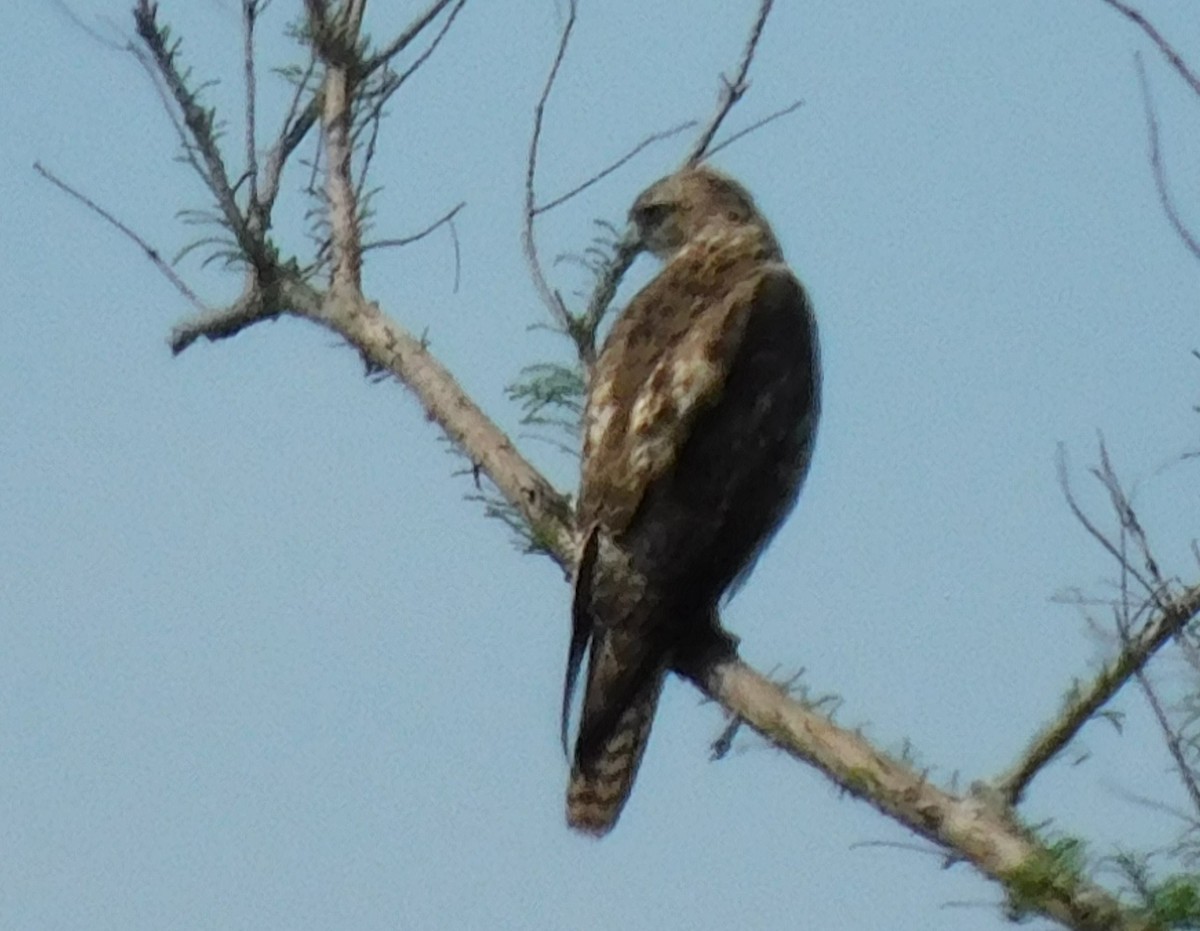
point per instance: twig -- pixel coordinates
(334, 45)
(200, 126)
(1092, 529)
(605, 172)
(552, 300)
(732, 91)
(389, 84)
(1129, 520)
(156, 81)
(406, 240)
(151, 253)
(627, 247)
(250, 10)
(424, 56)
(402, 41)
(1173, 740)
(295, 127)
(759, 124)
(1156, 164)
(388, 346)
(1175, 615)
(720, 747)
(251, 308)
(1160, 42)
(970, 827)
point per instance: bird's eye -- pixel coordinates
(650, 215)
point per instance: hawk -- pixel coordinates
(698, 430)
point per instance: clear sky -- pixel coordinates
(265, 667)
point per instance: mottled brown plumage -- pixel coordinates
(700, 420)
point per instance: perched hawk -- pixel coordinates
(699, 426)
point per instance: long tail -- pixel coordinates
(609, 749)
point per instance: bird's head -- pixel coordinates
(681, 207)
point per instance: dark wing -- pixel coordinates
(664, 360)
(691, 462)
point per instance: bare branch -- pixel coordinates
(758, 124)
(250, 10)
(444, 220)
(387, 346)
(185, 142)
(414, 29)
(1167, 622)
(334, 44)
(1156, 165)
(1093, 530)
(552, 301)
(151, 253)
(1130, 524)
(1168, 51)
(200, 127)
(605, 172)
(1173, 739)
(973, 827)
(249, 309)
(627, 248)
(295, 127)
(424, 56)
(732, 90)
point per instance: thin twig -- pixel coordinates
(185, 142)
(93, 33)
(1177, 613)
(1129, 520)
(731, 90)
(402, 41)
(759, 124)
(295, 127)
(605, 172)
(1173, 740)
(552, 301)
(200, 127)
(389, 84)
(627, 248)
(1091, 528)
(424, 56)
(1160, 42)
(406, 240)
(1156, 164)
(151, 253)
(250, 9)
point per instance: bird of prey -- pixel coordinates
(698, 430)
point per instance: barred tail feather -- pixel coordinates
(599, 788)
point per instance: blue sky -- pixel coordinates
(265, 667)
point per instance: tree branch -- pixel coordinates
(627, 247)
(199, 123)
(1156, 165)
(334, 43)
(1168, 51)
(605, 172)
(552, 300)
(1167, 623)
(732, 91)
(445, 219)
(388, 346)
(414, 29)
(973, 827)
(150, 252)
(756, 125)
